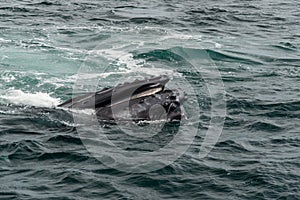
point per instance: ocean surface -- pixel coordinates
(46, 47)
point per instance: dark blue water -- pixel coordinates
(254, 45)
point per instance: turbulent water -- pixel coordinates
(254, 45)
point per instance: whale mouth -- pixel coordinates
(149, 91)
(140, 96)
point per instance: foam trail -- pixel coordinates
(37, 99)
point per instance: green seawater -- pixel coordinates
(46, 47)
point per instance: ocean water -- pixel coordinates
(46, 48)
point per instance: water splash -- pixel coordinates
(38, 99)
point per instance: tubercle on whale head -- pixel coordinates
(174, 105)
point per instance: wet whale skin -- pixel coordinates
(139, 100)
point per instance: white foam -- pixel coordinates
(8, 77)
(2, 40)
(127, 64)
(181, 36)
(38, 99)
(60, 81)
(217, 45)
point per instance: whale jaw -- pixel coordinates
(139, 100)
(164, 105)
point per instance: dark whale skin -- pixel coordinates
(114, 104)
(165, 105)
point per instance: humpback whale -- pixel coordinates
(146, 99)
